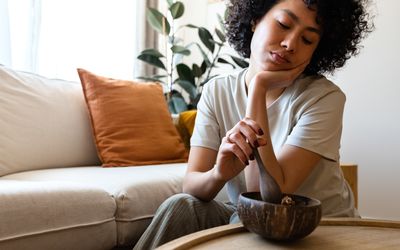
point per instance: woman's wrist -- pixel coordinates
(258, 83)
(217, 177)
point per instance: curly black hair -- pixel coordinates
(344, 23)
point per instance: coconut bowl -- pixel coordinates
(276, 221)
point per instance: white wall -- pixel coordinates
(371, 136)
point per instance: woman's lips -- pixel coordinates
(278, 59)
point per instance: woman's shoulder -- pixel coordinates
(317, 87)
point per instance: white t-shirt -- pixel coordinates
(308, 114)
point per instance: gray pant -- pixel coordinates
(183, 214)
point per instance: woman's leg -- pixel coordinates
(180, 215)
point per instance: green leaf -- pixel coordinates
(160, 76)
(177, 103)
(171, 107)
(206, 38)
(152, 52)
(185, 73)
(188, 87)
(170, 2)
(177, 9)
(222, 60)
(193, 104)
(220, 35)
(203, 66)
(152, 60)
(191, 26)
(197, 71)
(180, 50)
(158, 21)
(203, 53)
(222, 22)
(240, 62)
(174, 39)
(218, 43)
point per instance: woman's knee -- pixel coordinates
(180, 200)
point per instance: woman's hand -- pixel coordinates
(237, 148)
(277, 79)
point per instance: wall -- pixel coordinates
(371, 136)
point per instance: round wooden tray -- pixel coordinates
(335, 233)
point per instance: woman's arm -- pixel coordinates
(201, 179)
(209, 170)
(291, 166)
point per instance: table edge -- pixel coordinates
(191, 240)
(188, 241)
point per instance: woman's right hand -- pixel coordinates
(279, 78)
(236, 148)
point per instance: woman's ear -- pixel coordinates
(253, 25)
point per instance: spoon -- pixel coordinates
(269, 189)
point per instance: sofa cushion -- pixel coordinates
(138, 191)
(131, 122)
(55, 214)
(44, 123)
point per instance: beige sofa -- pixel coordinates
(53, 192)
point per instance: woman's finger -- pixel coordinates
(238, 152)
(241, 141)
(235, 149)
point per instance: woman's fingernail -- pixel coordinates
(260, 132)
(251, 157)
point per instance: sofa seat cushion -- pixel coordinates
(138, 190)
(56, 211)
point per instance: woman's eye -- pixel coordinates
(306, 41)
(284, 26)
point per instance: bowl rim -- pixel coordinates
(314, 202)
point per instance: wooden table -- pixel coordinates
(335, 233)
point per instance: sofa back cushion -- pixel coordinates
(44, 123)
(131, 122)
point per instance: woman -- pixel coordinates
(281, 105)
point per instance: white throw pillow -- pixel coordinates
(44, 123)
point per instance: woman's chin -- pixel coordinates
(272, 67)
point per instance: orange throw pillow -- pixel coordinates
(131, 122)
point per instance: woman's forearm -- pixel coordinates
(203, 185)
(257, 110)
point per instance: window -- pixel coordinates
(53, 38)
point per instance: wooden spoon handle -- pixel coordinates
(269, 188)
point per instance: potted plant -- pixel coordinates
(180, 78)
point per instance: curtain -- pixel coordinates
(148, 38)
(20, 21)
(5, 53)
(53, 38)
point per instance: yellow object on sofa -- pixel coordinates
(186, 125)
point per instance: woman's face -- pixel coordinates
(285, 37)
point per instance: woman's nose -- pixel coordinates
(290, 43)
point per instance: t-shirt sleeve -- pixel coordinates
(319, 126)
(206, 129)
